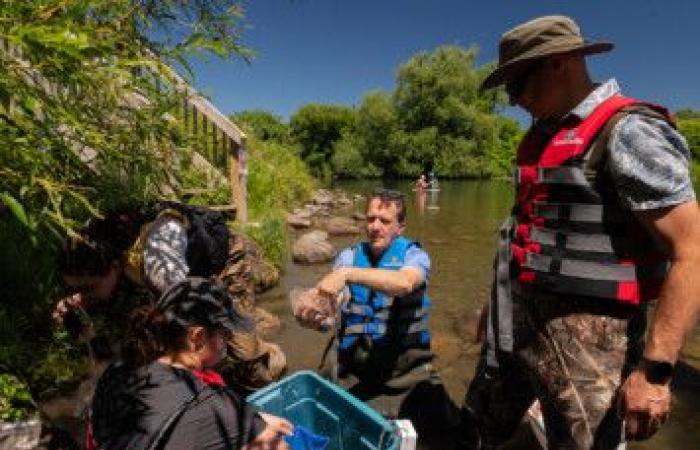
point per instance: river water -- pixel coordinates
(458, 226)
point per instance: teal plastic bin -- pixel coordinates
(306, 399)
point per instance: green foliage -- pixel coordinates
(83, 81)
(316, 128)
(440, 89)
(436, 119)
(277, 178)
(690, 129)
(502, 155)
(263, 125)
(349, 159)
(15, 399)
(688, 113)
(689, 126)
(86, 125)
(190, 177)
(270, 233)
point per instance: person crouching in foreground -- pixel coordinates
(163, 393)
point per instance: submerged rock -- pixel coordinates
(298, 220)
(323, 197)
(338, 226)
(312, 248)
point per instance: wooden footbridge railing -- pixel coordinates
(217, 143)
(217, 139)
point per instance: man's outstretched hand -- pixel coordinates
(313, 309)
(333, 283)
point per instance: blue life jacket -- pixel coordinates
(401, 321)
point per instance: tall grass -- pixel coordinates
(278, 181)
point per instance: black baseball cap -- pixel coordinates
(204, 302)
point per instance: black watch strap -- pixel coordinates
(656, 372)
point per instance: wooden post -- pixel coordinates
(194, 131)
(186, 114)
(215, 146)
(243, 181)
(234, 181)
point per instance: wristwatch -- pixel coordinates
(656, 372)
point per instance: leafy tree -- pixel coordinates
(316, 128)
(349, 158)
(415, 151)
(502, 155)
(376, 125)
(435, 89)
(436, 118)
(437, 96)
(263, 124)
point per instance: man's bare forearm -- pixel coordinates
(676, 312)
(678, 230)
(391, 282)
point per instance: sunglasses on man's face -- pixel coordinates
(516, 87)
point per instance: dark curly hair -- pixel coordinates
(150, 335)
(99, 244)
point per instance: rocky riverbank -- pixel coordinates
(328, 214)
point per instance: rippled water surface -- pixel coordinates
(457, 226)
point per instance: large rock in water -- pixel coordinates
(323, 197)
(312, 248)
(338, 226)
(299, 220)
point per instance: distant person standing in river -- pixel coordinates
(422, 184)
(605, 221)
(382, 347)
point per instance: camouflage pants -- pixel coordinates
(251, 362)
(572, 355)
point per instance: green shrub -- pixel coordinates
(270, 233)
(277, 178)
(15, 399)
(105, 103)
(264, 125)
(348, 160)
(193, 178)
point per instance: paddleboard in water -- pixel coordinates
(427, 190)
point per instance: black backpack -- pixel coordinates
(207, 237)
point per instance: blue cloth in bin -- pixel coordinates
(305, 439)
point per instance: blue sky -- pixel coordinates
(335, 51)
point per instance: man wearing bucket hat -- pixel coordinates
(605, 220)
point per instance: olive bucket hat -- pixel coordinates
(537, 39)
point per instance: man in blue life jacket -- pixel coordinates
(605, 221)
(382, 346)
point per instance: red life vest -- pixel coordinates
(572, 236)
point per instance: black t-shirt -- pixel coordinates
(131, 407)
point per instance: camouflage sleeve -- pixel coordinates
(164, 254)
(649, 163)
